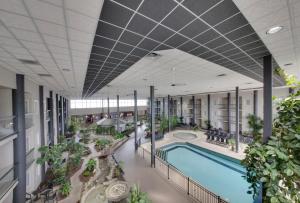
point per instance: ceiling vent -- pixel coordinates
(44, 75)
(29, 62)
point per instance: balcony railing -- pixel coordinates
(6, 127)
(7, 181)
(191, 187)
(28, 120)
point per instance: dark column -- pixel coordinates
(108, 112)
(169, 120)
(163, 105)
(51, 130)
(237, 119)
(118, 114)
(268, 73)
(181, 113)
(62, 115)
(152, 126)
(194, 110)
(135, 119)
(57, 116)
(228, 112)
(42, 124)
(208, 109)
(20, 143)
(255, 102)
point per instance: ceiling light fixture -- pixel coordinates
(153, 55)
(288, 64)
(274, 30)
(221, 75)
(30, 62)
(66, 69)
(44, 75)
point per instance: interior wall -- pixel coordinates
(87, 111)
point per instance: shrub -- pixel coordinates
(119, 135)
(137, 196)
(86, 173)
(90, 165)
(276, 164)
(102, 143)
(65, 188)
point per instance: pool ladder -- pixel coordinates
(162, 154)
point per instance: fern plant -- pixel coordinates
(137, 196)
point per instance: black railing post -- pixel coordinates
(188, 186)
(168, 171)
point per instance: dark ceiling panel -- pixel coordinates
(214, 30)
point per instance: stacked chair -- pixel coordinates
(218, 136)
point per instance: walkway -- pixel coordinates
(137, 171)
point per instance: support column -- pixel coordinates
(42, 124)
(118, 114)
(208, 109)
(135, 120)
(268, 74)
(152, 127)
(194, 110)
(62, 115)
(20, 142)
(181, 113)
(169, 121)
(228, 112)
(51, 130)
(255, 102)
(108, 112)
(163, 105)
(237, 119)
(57, 116)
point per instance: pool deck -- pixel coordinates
(138, 171)
(200, 141)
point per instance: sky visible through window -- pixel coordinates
(82, 104)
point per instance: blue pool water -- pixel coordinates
(218, 173)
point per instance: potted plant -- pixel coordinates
(89, 170)
(101, 144)
(137, 196)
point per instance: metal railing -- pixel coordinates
(7, 181)
(191, 187)
(7, 126)
(30, 158)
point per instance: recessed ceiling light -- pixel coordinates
(221, 75)
(30, 62)
(274, 30)
(248, 83)
(288, 64)
(44, 75)
(66, 69)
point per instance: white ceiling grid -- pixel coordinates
(58, 34)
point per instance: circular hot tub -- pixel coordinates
(185, 135)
